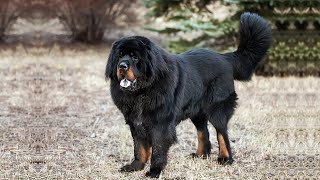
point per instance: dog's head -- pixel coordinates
(135, 62)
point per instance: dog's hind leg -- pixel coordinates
(225, 155)
(220, 114)
(204, 145)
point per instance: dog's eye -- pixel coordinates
(134, 58)
(120, 54)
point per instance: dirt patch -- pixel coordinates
(58, 121)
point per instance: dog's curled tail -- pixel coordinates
(255, 40)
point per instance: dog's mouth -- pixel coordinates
(127, 78)
(125, 83)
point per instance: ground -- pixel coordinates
(57, 121)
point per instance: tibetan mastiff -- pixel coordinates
(155, 90)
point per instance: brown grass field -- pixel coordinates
(57, 121)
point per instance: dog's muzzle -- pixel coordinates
(126, 75)
(123, 67)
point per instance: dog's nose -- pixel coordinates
(123, 66)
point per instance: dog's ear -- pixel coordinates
(143, 40)
(110, 68)
(149, 65)
(156, 65)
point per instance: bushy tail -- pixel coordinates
(255, 40)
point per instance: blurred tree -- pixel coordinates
(9, 12)
(193, 17)
(88, 20)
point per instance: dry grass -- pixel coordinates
(57, 121)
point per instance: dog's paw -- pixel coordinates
(154, 173)
(203, 156)
(134, 166)
(225, 160)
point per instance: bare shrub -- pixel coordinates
(88, 20)
(9, 12)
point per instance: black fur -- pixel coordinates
(197, 84)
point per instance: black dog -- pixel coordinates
(155, 90)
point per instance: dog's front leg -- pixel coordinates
(163, 136)
(142, 148)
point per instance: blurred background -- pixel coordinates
(57, 119)
(179, 25)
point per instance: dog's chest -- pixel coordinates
(141, 123)
(140, 110)
(134, 109)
